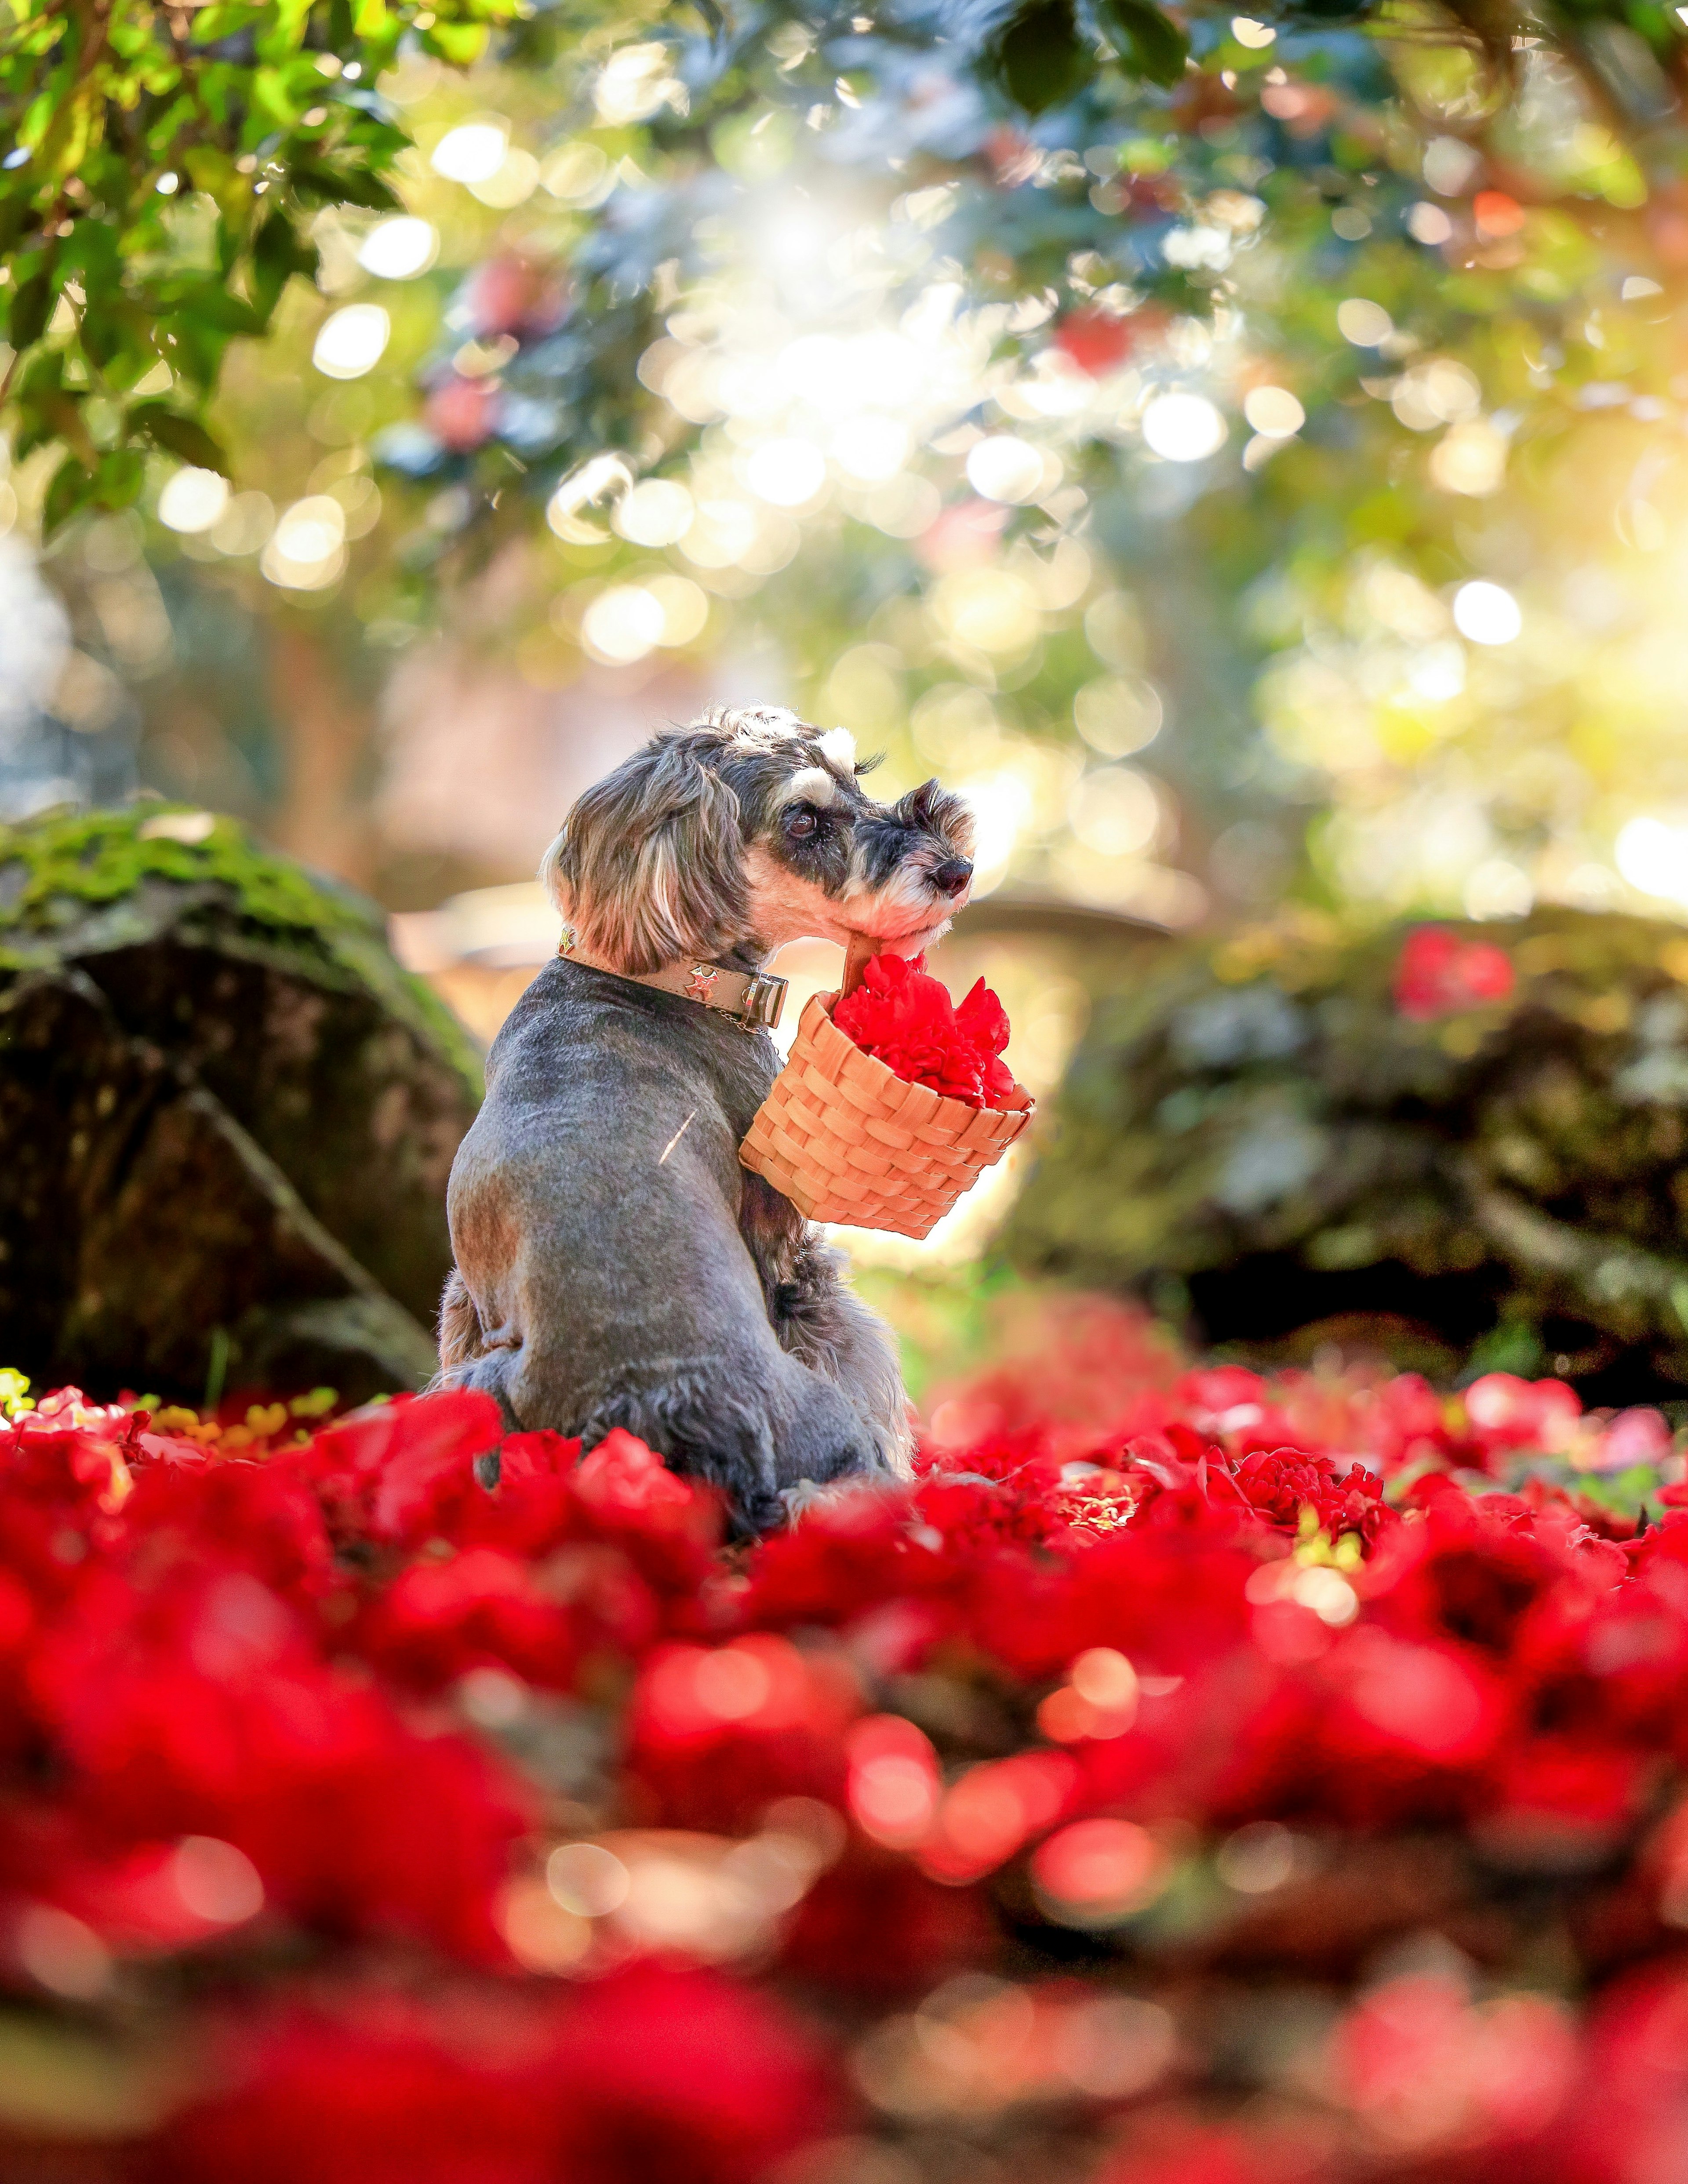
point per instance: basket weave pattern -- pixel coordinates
(847, 1140)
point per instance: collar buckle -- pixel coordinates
(763, 1001)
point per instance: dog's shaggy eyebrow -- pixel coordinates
(813, 785)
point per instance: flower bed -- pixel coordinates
(1151, 1792)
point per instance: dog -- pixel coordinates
(614, 1264)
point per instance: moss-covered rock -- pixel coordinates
(229, 1114)
(1297, 1127)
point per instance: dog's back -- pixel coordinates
(615, 1266)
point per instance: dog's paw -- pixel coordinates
(809, 1494)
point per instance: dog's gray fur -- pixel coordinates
(615, 1266)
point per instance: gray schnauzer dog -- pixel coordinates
(615, 1266)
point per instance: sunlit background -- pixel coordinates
(1362, 584)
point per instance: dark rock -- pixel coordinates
(230, 1118)
(1260, 1134)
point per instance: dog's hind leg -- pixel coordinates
(461, 1337)
(467, 1360)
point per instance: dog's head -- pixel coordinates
(746, 830)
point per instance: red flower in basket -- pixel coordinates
(904, 1017)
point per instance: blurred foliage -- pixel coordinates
(905, 359)
(1474, 1132)
(162, 168)
(947, 1318)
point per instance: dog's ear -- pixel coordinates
(939, 810)
(649, 863)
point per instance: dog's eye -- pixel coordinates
(801, 825)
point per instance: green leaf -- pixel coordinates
(177, 435)
(209, 169)
(32, 308)
(460, 44)
(212, 24)
(101, 333)
(15, 212)
(1038, 58)
(315, 179)
(278, 251)
(1148, 42)
(72, 489)
(212, 309)
(118, 478)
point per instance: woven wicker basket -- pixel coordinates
(847, 1140)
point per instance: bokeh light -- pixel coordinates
(893, 1782)
(192, 500)
(351, 341)
(306, 549)
(633, 83)
(472, 151)
(1470, 458)
(1001, 467)
(786, 472)
(1652, 856)
(1364, 323)
(657, 512)
(1486, 613)
(1184, 428)
(1118, 714)
(216, 1882)
(399, 249)
(587, 1879)
(1115, 810)
(622, 624)
(1096, 1873)
(1273, 411)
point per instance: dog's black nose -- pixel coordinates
(952, 875)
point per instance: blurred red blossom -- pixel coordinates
(1437, 973)
(523, 1831)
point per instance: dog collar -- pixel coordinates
(752, 999)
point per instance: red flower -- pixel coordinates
(394, 1472)
(670, 2073)
(1405, 1729)
(923, 1932)
(905, 1019)
(463, 412)
(479, 1609)
(716, 1736)
(510, 294)
(1427, 2072)
(651, 2074)
(204, 1707)
(374, 2087)
(1093, 1632)
(1097, 342)
(1439, 973)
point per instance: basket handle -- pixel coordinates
(858, 955)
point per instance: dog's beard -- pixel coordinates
(902, 913)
